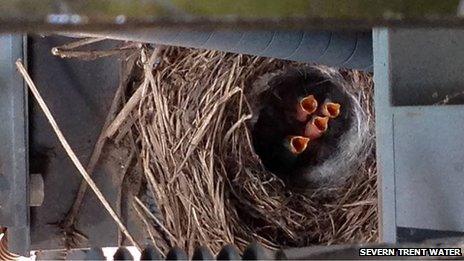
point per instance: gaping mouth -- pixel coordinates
(298, 144)
(316, 127)
(306, 106)
(309, 104)
(321, 123)
(331, 109)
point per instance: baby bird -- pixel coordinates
(303, 116)
(273, 140)
(305, 107)
(316, 127)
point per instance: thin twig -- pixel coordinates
(89, 55)
(76, 44)
(67, 50)
(155, 219)
(124, 113)
(133, 101)
(71, 153)
(147, 225)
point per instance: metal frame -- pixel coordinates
(419, 140)
(14, 205)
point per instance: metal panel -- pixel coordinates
(406, 234)
(384, 134)
(427, 65)
(79, 94)
(14, 206)
(429, 167)
(419, 148)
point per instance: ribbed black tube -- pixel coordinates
(334, 48)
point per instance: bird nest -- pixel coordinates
(308, 126)
(204, 183)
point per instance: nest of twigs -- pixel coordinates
(208, 185)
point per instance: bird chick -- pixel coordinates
(316, 127)
(276, 139)
(330, 109)
(305, 107)
(297, 144)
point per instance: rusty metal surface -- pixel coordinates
(291, 14)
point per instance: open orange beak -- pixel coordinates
(316, 127)
(305, 107)
(330, 109)
(297, 144)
